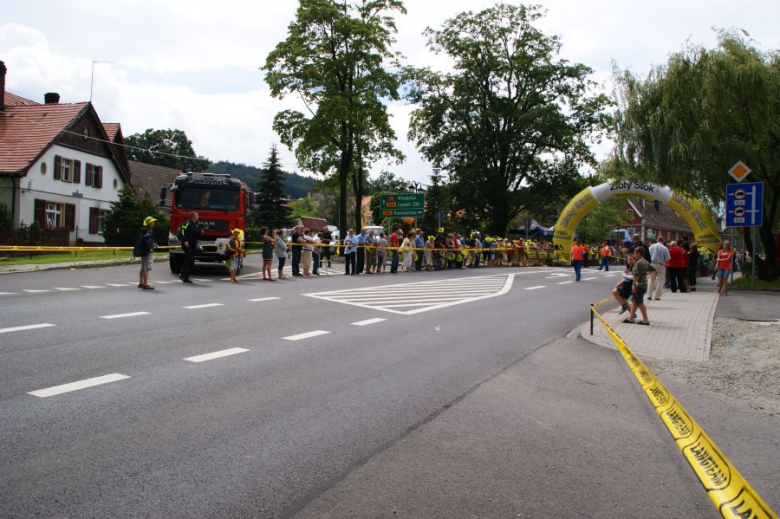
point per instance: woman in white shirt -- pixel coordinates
(406, 248)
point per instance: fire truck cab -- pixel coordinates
(222, 203)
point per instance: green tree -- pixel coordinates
(693, 118)
(437, 198)
(271, 207)
(6, 220)
(295, 185)
(334, 60)
(511, 115)
(170, 148)
(387, 182)
(303, 207)
(126, 218)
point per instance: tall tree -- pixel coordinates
(436, 199)
(388, 182)
(170, 148)
(271, 207)
(692, 119)
(510, 115)
(334, 60)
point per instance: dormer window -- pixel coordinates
(85, 133)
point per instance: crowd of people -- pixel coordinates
(651, 269)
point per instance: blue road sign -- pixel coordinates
(744, 204)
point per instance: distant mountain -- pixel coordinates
(295, 185)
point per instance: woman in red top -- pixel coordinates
(677, 267)
(725, 261)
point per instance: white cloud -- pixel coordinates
(194, 65)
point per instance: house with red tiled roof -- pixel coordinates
(60, 165)
(149, 179)
(654, 219)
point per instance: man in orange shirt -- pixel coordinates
(585, 253)
(605, 250)
(577, 251)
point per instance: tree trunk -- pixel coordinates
(357, 189)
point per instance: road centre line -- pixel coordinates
(117, 284)
(216, 354)
(81, 384)
(8, 293)
(120, 316)
(306, 335)
(369, 321)
(28, 327)
(588, 279)
(262, 299)
(66, 289)
(36, 291)
(535, 288)
(91, 287)
(209, 305)
(565, 282)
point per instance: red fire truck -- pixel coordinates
(222, 203)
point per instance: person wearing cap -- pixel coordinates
(235, 249)
(147, 246)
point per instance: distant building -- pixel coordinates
(149, 179)
(315, 224)
(60, 165)
(653, 219)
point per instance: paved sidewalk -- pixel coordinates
(680, 325)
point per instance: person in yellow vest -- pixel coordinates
(235, 248)
(577, 250)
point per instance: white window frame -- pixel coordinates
(55, 211)
(102, 221)
(66, 169)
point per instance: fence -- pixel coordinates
(32, 237)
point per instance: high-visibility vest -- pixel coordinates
(605, 250)
(576, 252)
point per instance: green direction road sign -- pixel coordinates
(411, 205)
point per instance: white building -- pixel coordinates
(59, 165)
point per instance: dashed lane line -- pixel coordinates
(588, 279)
(535, 288)
(74, 386)
(209, 305)
(28, 327)
(66, 289)
(8, 293)
(216, 354)
(31, 291)
(92, 287)
(118, 284)
(306, 335)
(120, 316)
(262, 299)
(369, 321)
(565, 282)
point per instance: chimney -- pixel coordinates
(2, 86)
(51, 98)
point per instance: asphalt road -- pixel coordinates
(302, 398)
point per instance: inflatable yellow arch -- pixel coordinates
(698, 218)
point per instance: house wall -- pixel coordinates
(42, 186)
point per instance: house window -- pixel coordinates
(94, 176)
(54, 214)
(66, 170)
(102, 221)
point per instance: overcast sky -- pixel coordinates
(194, 64)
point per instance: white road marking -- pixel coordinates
(535, 288)
(588, 279)
(120, 316)
(117, 284)
(262, 299)
(565, 282)
(165, 282)
(369, 321)
(66, 289)
(8, 293)
(196, 279)
(23, 328)
(306, 335)
(209, 305)
(423, 296)
(91, 287)
(36, 291)
(216, 355)
(609, 276)
(81, 384)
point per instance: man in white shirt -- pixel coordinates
(659, 255)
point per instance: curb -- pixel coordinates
(23, 269)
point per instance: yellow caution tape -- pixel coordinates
(728, 490)
(26, 248)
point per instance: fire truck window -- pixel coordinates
(208, 199)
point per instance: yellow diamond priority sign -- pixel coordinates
(739, 171)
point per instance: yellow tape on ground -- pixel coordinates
(728, 490)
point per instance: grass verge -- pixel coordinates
(65, 257)
(744, 284)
